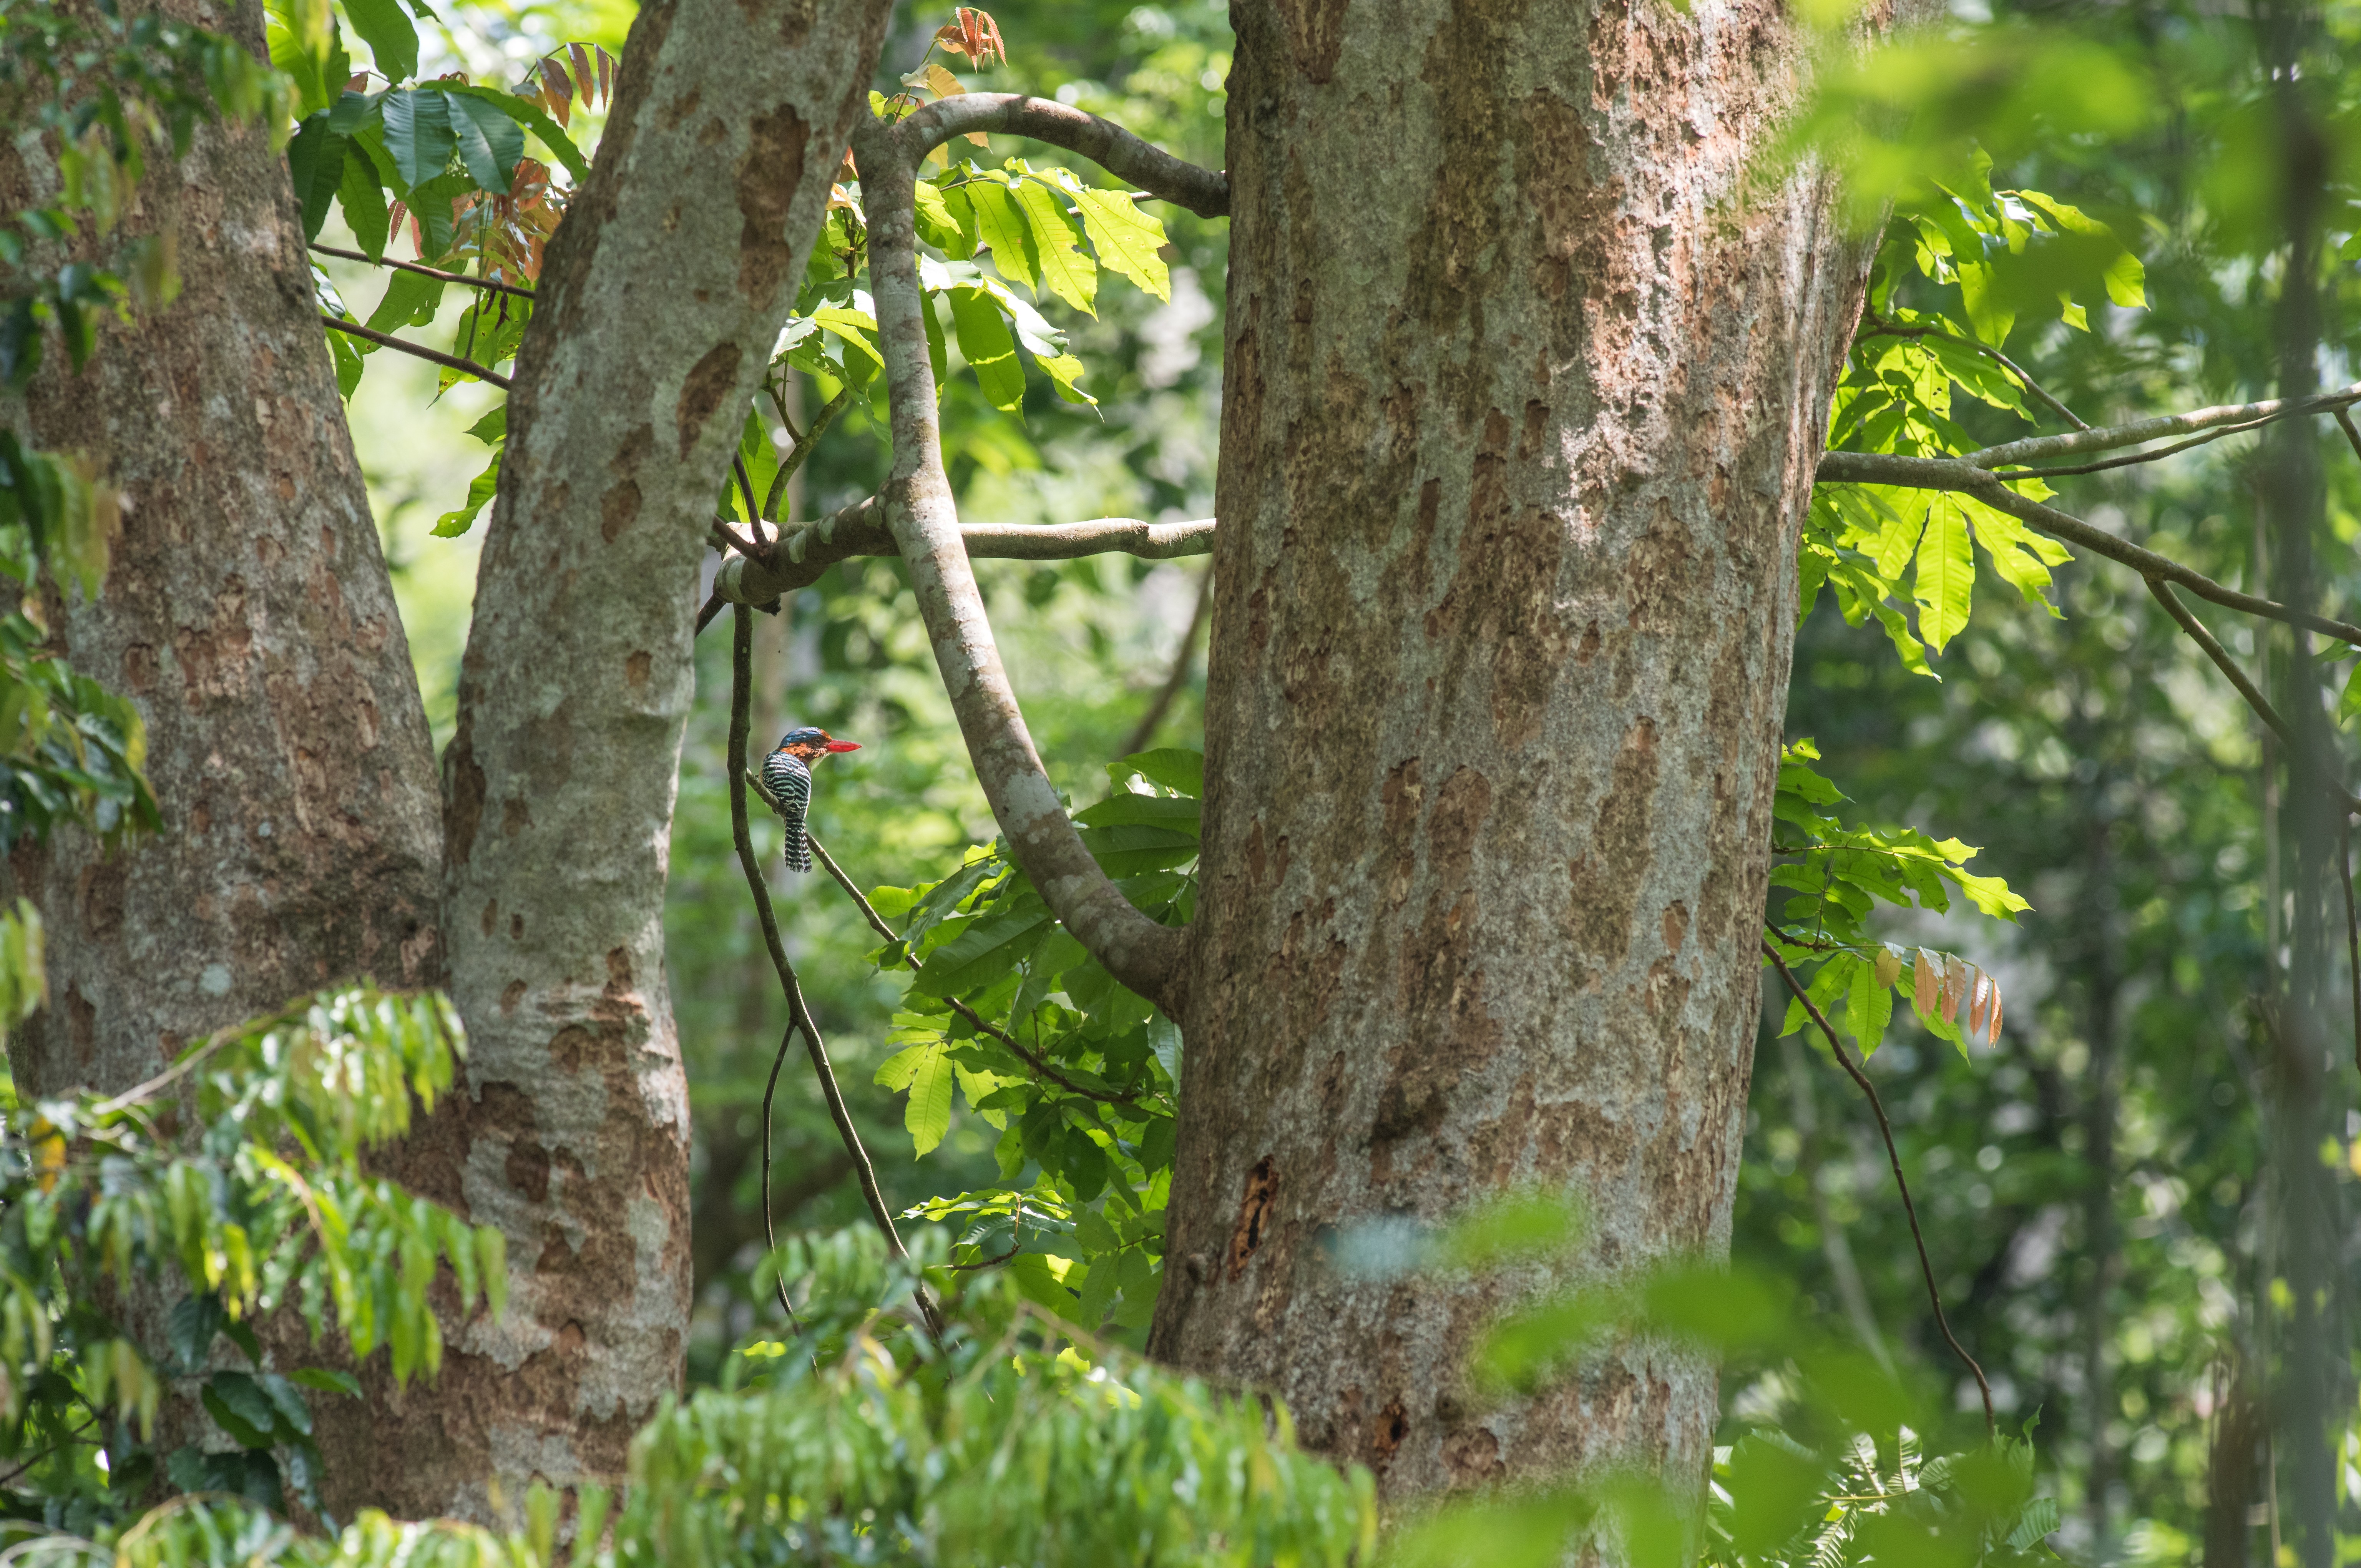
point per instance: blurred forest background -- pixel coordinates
(2092, 1186)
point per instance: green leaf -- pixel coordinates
(418, 134)
(1176, 812)
(990, 351)
(2350, 703)
(903, 1066)
(316, 160)
(245, 1412)
(1071, 275)
(981, 954)
(452, 524)
(327, 1380)
(1128, 240)
(946, 220)
(392, 36)
(1064, 371)
(532, 118)
(363, 198)
(411, 299)
(1946, 574)
(491, 142)
(929, 1115)
(1175, 768)
(1001, 229)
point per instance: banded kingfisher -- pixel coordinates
(787, 773)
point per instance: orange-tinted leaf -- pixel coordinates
(848, 170)
(1979, 988)
(607, 76)
(1993, 1037)
(1955, 986)
(558, 92)
(585, 74)
(1923, 986)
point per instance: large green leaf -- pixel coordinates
(1002, 229)
(418, 134)
(315, 157)
(990, 351)
(532, 118)
(491, 142)
(1945, 578)
(392, 36)
(1071, 275)
(1126, 238)
(363, 198)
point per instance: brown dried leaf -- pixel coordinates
(607, 77)
(1955, 986)
(1979, 987)
(847, 171)
(585, 74)
(1993, 1037)
(1889, 967)
(556, 91)
(1923, 987)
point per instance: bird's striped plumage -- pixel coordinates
(789, 782)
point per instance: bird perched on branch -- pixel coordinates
(787, 773)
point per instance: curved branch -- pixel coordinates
(1142, 954)
(1104, 143)
(2035, 448)
(1959, 475)
(803, 553)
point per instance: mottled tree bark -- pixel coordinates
(248, 617)
(663, 292)
(1518, 422)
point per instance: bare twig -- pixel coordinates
(711, 608)
(770, 1230)
(2352, 432)
(741, 649)
(433, 272)
(1145, 730)
(1957, 475)
(1104, 143)
(803, 442)
(802, 553)
(754, 509)
(738, 542)
(2219, 654)
(1909, 1210)
(982, 1026)
(2107, 438)
(2351, 922)
(2153, 455)
(1879, 327)
(387, 340)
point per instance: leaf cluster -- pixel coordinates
(236, 1179)
(1834, 875)
(1077, 1073)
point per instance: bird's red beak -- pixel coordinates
(844, 745)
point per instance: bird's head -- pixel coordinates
(811, 742)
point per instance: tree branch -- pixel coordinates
(741, 652)
(2219, 655)
(803, 553)
(386, 340)
(1909, 1210)
(1104, 143)
(1147, 956)
(803, 442)
(1957, 475)
(2107, 438)
(435, 273)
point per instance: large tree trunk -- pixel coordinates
(248, 617)
(1520, 419)
(664, 292)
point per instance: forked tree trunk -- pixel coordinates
(1522, 405)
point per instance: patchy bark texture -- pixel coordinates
(248, 617)
(1518, 422)
(664, 292)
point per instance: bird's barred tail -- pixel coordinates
(790, 784)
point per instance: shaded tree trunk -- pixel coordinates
(248, 617)
(1519, 423)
